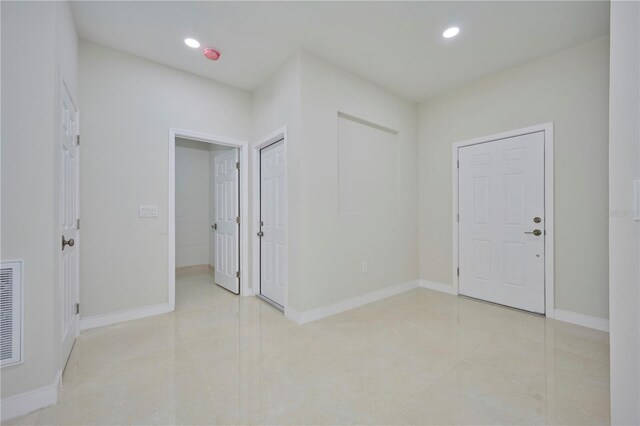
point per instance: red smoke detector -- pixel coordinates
(211, 53)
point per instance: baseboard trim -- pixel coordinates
(345, 305)
(122, 316)
(443, 288)
(193, 268)
(589, 321)
(24, 403)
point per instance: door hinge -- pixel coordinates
(458, 217)
(458, 272)
(78, 140)
(78, 224)
(238, 165)
(77, 309)
(238, 220)
(458, 162)
(238, 274)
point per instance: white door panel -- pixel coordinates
(226, 221)
(69, 261)
(273, 217)
(501, 192)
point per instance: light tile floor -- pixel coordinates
(417, 358)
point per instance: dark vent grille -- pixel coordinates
(10, 312)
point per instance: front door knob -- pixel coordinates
(535, 232)
(260, 234)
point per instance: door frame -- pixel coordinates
(243, 147)
(547, 129)
(273, 137)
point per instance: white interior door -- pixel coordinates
(501, 222)
(227, 224)
(69, 262)
(273, 221)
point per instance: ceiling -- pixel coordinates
(398, 45)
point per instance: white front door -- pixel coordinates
(227, 219)
(501, 221)
(69, 264)
(273, 221)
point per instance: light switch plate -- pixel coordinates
(148, 211)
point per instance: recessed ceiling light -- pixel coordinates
(451, 32)
(192, 43)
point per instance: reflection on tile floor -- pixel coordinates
(417, 358)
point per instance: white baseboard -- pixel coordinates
(443, 288)
(122, 316)
(24, 403)
(589, 321)
(345, 305)
(293, 315)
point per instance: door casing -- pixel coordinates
(243, 147)
(547, 128)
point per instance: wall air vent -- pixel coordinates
(10, 313)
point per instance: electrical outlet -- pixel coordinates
(365, 267)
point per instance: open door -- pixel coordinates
(69, 259)
(227, 221)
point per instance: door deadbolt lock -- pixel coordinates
(70, 242)
(535, 232)
(537, 219)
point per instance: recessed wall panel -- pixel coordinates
(367, 167)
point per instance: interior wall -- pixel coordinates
(570, 89)
(193, 201)
(347, 120)
(129, 104)
(31, 88)
(624, 232)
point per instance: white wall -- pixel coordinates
(129, 104)
(30, 189)
(193, 199)
(624, 238)
(333, 241)
(570, 89)
(326, 247)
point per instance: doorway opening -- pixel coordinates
(503, 229)
(207, 210)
